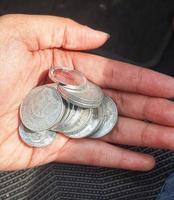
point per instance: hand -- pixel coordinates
(29, 45)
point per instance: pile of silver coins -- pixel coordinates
(72, 105)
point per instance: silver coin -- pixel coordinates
(70, 120)
(67, 77)
(68, 108)
(81, 122)
(100, 118)
(41, 108)
(36, 139)
(53, 85)
(90, 96)
(110, 118)
(89, 128)
(58, 126)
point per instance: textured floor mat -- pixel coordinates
(59, 181)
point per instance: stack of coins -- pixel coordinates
(72, 105)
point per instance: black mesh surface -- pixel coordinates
(60, 181)
(73, 182)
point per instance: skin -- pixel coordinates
(30, 45)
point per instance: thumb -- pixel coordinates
(41, 32)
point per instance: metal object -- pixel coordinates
(81, 122)
(89, 128)
(90, 97)
(41, 108)
(109, 118)
(36, 139)
(72, 106)
(71, 79)
(70, 120)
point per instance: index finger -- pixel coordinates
(123, 76)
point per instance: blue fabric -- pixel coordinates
(167, 191)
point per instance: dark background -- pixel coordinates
(140, 30)
(141, 33)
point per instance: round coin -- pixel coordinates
(81, 122)
(68, 78)
(109, 118)
(90, 96)
(41, 108)
(57, 126)
(53, 85)
(68, 107)
(89, 128)
(69, 121)
(36, 139)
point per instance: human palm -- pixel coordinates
(32, 44)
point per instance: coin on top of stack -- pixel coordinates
(75, 88)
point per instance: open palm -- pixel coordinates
(30, 45)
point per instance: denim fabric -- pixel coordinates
(167, 191)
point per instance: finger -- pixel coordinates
(42, 32)
(40, 156)
(138, 133)
(123, 76)
(90, 152)
(98, 153)
(157, 110)
(113, 74)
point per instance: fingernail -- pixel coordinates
(107, 34)
(101, 32)
(149, 163)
